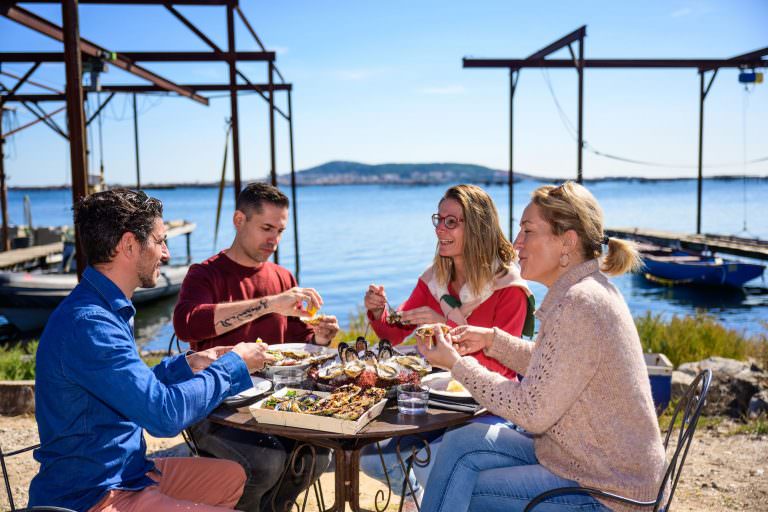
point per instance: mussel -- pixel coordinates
(361, 345)
(342, 348)
(350, 354)
(370, 358)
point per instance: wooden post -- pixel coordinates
(75, 114)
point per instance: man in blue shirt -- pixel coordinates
(94, 395)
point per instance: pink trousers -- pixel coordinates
(187, 483)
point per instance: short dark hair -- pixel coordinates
(104, 217)
(254, 195)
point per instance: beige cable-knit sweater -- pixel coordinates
(585, 396)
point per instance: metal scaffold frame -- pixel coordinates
(78, 50)
(538, 60)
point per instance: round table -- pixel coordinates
(347, 447)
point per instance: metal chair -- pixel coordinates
(690, 405)
(8, 483)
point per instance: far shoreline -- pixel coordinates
(285, 181)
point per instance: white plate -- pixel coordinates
(307, 347)
(437, 383)
(260, 386)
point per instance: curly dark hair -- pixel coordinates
(102, 219)
(255, 194)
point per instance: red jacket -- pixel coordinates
(505, 309)
(219, 279)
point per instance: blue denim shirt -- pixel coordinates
(94, 395)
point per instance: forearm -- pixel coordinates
(511, 351)
(231, 315)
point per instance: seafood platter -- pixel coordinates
(296, 355)
(386, 368)
(345, 410)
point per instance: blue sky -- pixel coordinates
(380, 82)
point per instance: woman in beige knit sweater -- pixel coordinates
(585, 402)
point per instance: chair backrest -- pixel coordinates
(687, 411)
(6, 477)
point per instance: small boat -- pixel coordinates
(675, 266)
(28, 297)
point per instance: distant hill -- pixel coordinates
(355, 173)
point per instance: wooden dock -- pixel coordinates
(10, 259)
(747, 247)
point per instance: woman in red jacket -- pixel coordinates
(473, 280)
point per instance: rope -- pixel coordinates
(221, 184)
(568, 125)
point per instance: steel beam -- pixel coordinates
(6, 239)
(564, 41)
(145, 56)
(44, 26)
(613, 63)
(233, 104)
(153, 88)
(738, 59)
(75, 114)
(138, 2)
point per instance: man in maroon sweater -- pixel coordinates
(232, 297)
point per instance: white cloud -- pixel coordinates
(444, 90)
(679, 13)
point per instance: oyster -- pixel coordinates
(354, 368)
(414, 363)
(387, 371)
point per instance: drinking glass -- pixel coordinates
(288, 378)
(412, 399)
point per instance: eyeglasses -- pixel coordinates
(449, 221)
(162, 241)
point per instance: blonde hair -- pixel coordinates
(572, 207)
(484, 242)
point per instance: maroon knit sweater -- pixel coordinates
(218, 280)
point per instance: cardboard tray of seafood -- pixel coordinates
(362, 367)
(344, 411)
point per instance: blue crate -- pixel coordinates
(660, 374)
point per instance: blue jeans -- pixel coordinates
(493, 468)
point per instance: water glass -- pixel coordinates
(412, 399)
(288, 378)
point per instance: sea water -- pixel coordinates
(351, 236)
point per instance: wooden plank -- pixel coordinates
(177, 228)
(17, 256)
(747, 247)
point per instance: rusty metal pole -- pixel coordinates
(3, 188)
(75, 114)
(293, 189)
(272, 164)
(702, 95)
(233, 98)
(136, 142)
(579, 177)
(512, 85)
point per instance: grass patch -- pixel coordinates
(752, 427)
(693, 338)
(18, 362)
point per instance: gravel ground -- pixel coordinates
(723, 472)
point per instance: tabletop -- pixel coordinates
(389, 423)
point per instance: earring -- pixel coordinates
(567, 259)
